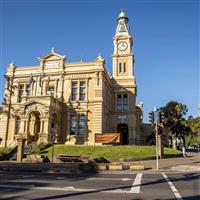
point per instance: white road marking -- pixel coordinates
(136, 184)
(125, 179)
(173, 188)
(109, 179)
(60, 178)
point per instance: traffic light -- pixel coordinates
(161, 117)
(151, 117)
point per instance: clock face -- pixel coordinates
(122, 46)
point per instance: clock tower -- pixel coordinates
(123, 59)
(124, 84)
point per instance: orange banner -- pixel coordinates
(107, 138)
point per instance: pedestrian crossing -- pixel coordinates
(136, 184)
(129, 184)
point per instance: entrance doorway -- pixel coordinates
(123, 130)
(33, 126)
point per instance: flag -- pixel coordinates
(30, 80)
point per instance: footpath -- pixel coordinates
(191, 163)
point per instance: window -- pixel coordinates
(125, 102)
(17, 124)
(20, 92)
(74, 91)
(77, 125)
(28, 90)
(122, 102)
(120, 67)
(82, 91)
(51, 90)
(124, 67)
(81, 125)
(73, 124)
(119, 102)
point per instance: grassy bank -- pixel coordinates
(107, 151)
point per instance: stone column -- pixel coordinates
(20, 147)
(46, 134)
(56, 89)
(44, 89)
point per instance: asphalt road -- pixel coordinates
(138, 186)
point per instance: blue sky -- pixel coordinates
(165, 41)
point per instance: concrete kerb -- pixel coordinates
(118, 167)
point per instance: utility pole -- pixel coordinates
(156, 129)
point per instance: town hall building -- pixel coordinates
(73, 101)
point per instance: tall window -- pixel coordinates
(125, 102)
(81, 125)
(82, 91)
(17, 124)
(124, 64)
(120, 67)
(20, 92)
(73, 125)
(77, 125)
(119, 102)
(122, 102)
(28, 90)
(74, 91)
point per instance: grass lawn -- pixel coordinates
(107, 151)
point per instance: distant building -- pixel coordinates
(73, 100)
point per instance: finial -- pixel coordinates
(12, 63)
(99, 57)
(122, 10)
(52, 50)
(81, 59)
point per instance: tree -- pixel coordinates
(194, 124)
(174, 119)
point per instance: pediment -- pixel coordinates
(122, 90)
(33, 102)
(52, 56)
(52, 60)
(33, 106)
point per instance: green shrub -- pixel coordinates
(4, 150)
(37, 149)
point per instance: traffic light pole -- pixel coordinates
(156, 129)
